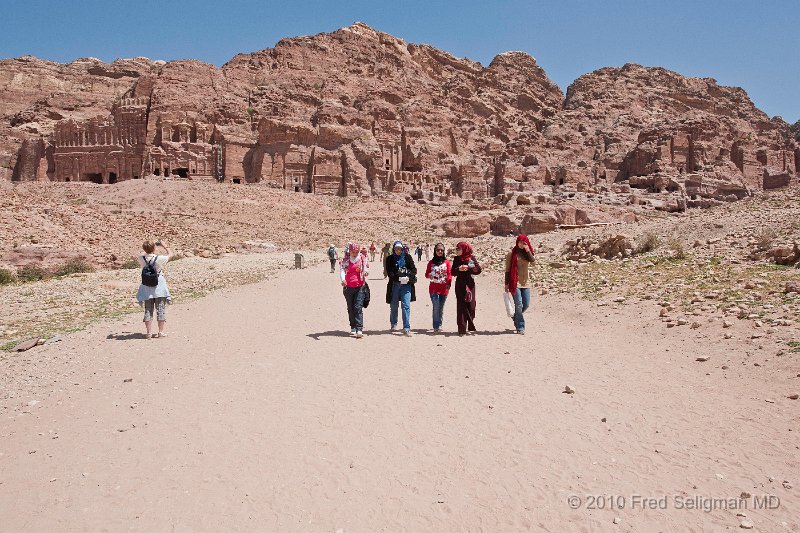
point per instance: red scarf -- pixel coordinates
(466, 252)
(513, 272)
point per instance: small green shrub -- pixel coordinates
(678, 251)
(73, 266)
(7, 277)
(765, 238)
(647, 243)
(30, 273)
(129, 264)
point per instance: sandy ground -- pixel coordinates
(258, 413)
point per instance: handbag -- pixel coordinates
(366, 295)
(510, 305)
(468, 296)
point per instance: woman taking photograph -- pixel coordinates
(353, 272)
(518, 261)
(441, 277)
(153, 291)
(464, 267)
(402, 274)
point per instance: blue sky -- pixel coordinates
(751, 44)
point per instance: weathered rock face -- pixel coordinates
(634, 122)
(464, 227)
(358, 111)
(611, 247)
(532, 220)
(36, 94)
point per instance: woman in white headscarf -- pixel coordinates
(402, 274)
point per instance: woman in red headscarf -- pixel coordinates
(518, 262)
(464, 266)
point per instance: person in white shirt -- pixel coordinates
(153, 291)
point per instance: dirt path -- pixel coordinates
(259, 413)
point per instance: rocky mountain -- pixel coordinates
(357, 111)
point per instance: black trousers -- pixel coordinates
(355, 306)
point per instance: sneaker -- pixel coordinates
(359, 334)
(162, 335)
(521, 331)
(437, 330)
(407, 332)
(353, 332)
(394, 327)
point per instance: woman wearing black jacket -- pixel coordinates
(402, 273)
(464, 267)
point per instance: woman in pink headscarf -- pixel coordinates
(464, 267)
(353, 271)
(518, 262)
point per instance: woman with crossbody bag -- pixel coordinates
(353, 272)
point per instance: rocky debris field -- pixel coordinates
(49, 223)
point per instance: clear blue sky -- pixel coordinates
(754, 44)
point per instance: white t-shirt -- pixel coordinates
(160, 262)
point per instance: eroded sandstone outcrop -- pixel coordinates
(360, 112)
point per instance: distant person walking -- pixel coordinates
(518, 261)
(440, 274)
(353, 272)
(385, 252)
(153, 292)
(419, 252)
(400, 292)
(372, 250)
(333, 255)
(464, 267)
(427, 251)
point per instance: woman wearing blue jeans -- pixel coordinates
(440, 273)
(518, 262)
(402, 274)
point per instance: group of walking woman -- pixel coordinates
(401, 273)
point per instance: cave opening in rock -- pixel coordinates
(112, 177)
(93, 177)
(183, 172)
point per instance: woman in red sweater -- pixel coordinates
(441, 276)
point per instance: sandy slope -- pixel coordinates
(258, 413)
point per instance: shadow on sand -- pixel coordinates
(399, 333)
(336, 333)
(125, 336)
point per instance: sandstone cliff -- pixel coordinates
(357, 111)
